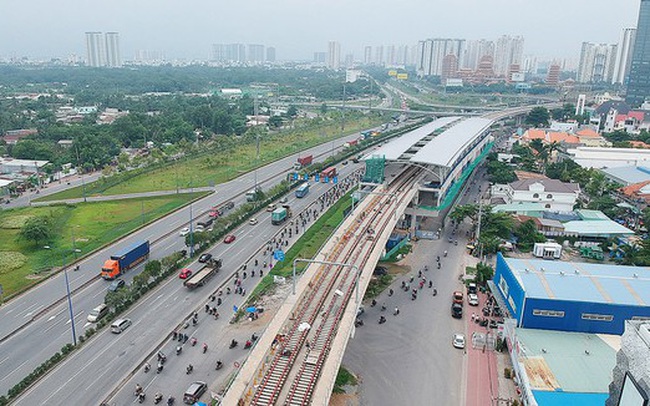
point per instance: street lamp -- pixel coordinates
(67, 288)
(314, 261)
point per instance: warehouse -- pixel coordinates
(573, 296)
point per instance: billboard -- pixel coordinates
(392, 73)
(402, 76)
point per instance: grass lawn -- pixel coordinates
(89, 225)
(221, 167)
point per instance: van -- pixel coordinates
(205, 223)
(271, 207)
(97, 313)
(120, 325)
(194, 392)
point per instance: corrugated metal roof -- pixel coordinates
(394, 149)
(596, 228)
(583, 281)
(444, 149)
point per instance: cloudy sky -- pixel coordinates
(297, 28)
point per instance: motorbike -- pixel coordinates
(358, 323)
(193, 341)
(141, 397)
(205, 348)
(445, 253)
(219, 365)
(396, 312)
(157, 398)
(382, 320)
(162, 357)
(233, 344)
(170, 401)
(254, 337)
(435, 292)
(159, 368)
(189, 369)
(179, 349)
(248, 345)
(138, 390)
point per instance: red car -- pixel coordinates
(185, 273)
(229, 238)
(214, 214)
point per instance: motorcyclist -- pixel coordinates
(147, 367)
(205, 347)
(157, 397)
(396, 312)
(170, 401)
(219, 364)
(138, 389)
(248, 344)
(141, 397)
(233, 343)
(189, 369)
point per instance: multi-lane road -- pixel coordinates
(36, 324)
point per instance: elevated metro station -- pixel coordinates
(447, 149)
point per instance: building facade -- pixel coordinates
(638, 87)
(624, 56)
(632, 360)
(596, 63)
(508, 51)
(553, 194)
(334, 55)
(113, 58)
(431, 53)
(96, 55)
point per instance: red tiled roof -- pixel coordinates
(639, 115)
(587, 132)
(633, 189)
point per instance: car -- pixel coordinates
(457, 310)
(252, 221)
(380, 271)
(194, 392)
(284, 200)
(271, 207)
(120, 325)
(457, 297)
(472, 299)
(116, 285)
(471, 288)
(205, 258)
(97, 313)
(458, 341)
(229, 238)
(344, 162)
(214, 213)
(185, 273)
(184, 231)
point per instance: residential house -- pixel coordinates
(553, 194)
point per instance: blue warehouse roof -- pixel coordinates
(581, 281)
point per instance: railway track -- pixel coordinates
(295, 360)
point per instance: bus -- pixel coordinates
(329, 172)
(302, 190)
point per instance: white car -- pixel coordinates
(185, 231)
(252, 221)
(458, 341)
(472, 299)
(283, 200)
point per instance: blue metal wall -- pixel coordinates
(572, 320)
(515, 295)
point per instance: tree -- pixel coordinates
(500, 172)
(484, 273)
(275, 121)
(538, 117)
(36, 229)
(460, 213)
(527, 235)
(292, 111)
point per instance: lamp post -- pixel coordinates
(67, 288)
(314, 261)
(370, 192)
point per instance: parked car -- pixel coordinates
(472, 299)
(184, 231)
(205, 258)
(185, 273)
(471, 288)
(116, 285)
(229, 238)
(456, 310)
(458, 341)
(252, 221)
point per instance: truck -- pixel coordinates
(204, 274)
(280, 215)
(125, 259)
(303, 162)
(350, 143)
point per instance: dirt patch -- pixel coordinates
(345, 399)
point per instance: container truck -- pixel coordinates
(203, 275)
(280, 215)
(303, 162)
(125, 259)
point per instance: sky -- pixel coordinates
(185, 29)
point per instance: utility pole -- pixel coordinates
(343, 110)
(257, 138)
(478, 228)
(83, 184)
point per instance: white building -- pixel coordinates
(334, 55)
(431, 53)
(95, 49)
(596, 63)
(367, 55)
(624, 56)
(113, 58)
(553, 194)
(600, 157)
(508, 51)
(11, 165)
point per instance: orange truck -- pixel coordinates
(125, 259)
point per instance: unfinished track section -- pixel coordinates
(294, 362)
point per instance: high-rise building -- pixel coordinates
(113, 59)
(402, 55)
(367, 55)
(624, 56)
(638, 87)
(596, 63)
(390, 55)
(235, 52)
(379, 56)
(431, 53)
(449, 68)
(553, 75)
(95, 49)
(334, 55)
(508, 51)
(349, 60)
(255, 53)
(270, 54)
(218, 52)
(320, 57)
(474, 51)
(580, 104)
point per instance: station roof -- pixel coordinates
(395, 148)
(567, 368)
(444, 149)
(583, 281)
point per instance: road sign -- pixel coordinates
(335, 180)
(278, 255)
(306, 176)
(326, 179)
(295, 176)
(316, 178)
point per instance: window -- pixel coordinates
(597, 317)
(503, 285)
(640, 318)
(536, 195)
(549, 196)
(548, 313)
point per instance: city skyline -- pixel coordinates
(188, 34)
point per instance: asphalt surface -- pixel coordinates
(104, 362)
(409, 359)
(33, 329)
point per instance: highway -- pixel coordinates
(36, 324)
(101, 364)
